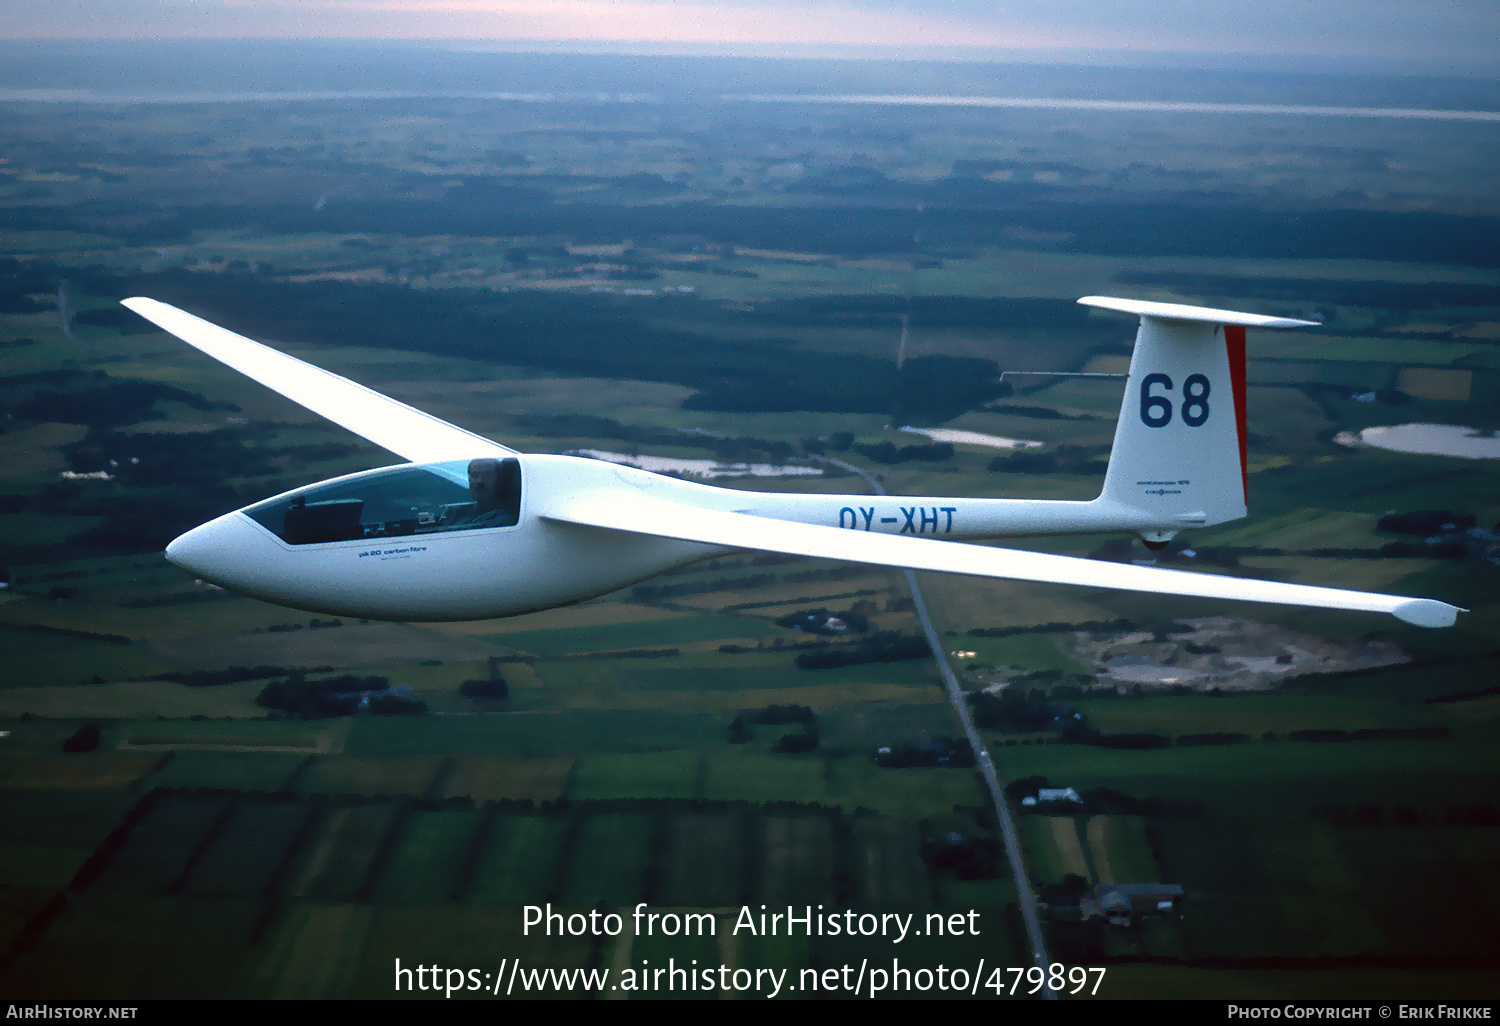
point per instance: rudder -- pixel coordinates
(1180, 444)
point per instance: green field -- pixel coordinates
(249, 849)
(611, 859)
(427, 857)
(704, 862)
(657, 775)
(336, 861)
(623, 636)
(518, 860)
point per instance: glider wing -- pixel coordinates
(618, 510)
(392, 425)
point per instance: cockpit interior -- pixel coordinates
(397, 502)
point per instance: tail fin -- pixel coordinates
(1179, 451)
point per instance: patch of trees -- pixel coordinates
(777, 645)
(577, 425)
(176, 598)
(988, 314)
(661, 592)
(1019, 711)
(1065, 459)
(934, 389)
(1330, 397)
(493, 686)
(1106, 801)
(86, 739)
(396, 705)
(942, 751)
(585, 334)
(117, 317)
(20, 280)
(1206, 740)
(1426, 522)
(629, 653)
(977, 858)
(1038, 413)
(480, 688)
(336, 696)
(962, 213)
(795, 743)
(98, 401)
(781, 714)
(1054, 627)
(1139, 741)
(1450, 549)
(186, 460)
(881, 647)
(1065, 892)
(231, 675)
(799, 599)
(839, 441)
(1462, 696)
(1370, 734)
(133, 521)
(741, 727)
(721, 565)
(816, 621)
(69, 632)
(889, 454)
(837, 573)
(1377, 295)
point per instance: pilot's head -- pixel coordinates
(484, 483)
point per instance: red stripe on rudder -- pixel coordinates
(1234, 342)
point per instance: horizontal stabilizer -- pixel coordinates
(1196, 314)
(392, 425)
(637, 513)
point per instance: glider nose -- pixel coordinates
(205, 552)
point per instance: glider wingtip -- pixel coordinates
(140, 304)
(1427, 613)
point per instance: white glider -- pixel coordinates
(471, 529)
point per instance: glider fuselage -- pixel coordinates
(406, 564)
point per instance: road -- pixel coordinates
(1012, 840)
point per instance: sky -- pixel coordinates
(1425, 30)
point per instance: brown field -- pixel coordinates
(408, 775)
(93, 769)
(588, 615)
(34, 450)
(350, 646)
(493, 777)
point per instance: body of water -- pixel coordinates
(1429, 439)
(955, 437)
(1146, 106)
(868, 99)
(699, 468)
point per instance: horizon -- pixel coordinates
(1091, 57)
(1424, 38)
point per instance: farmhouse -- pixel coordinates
(1122, 903)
